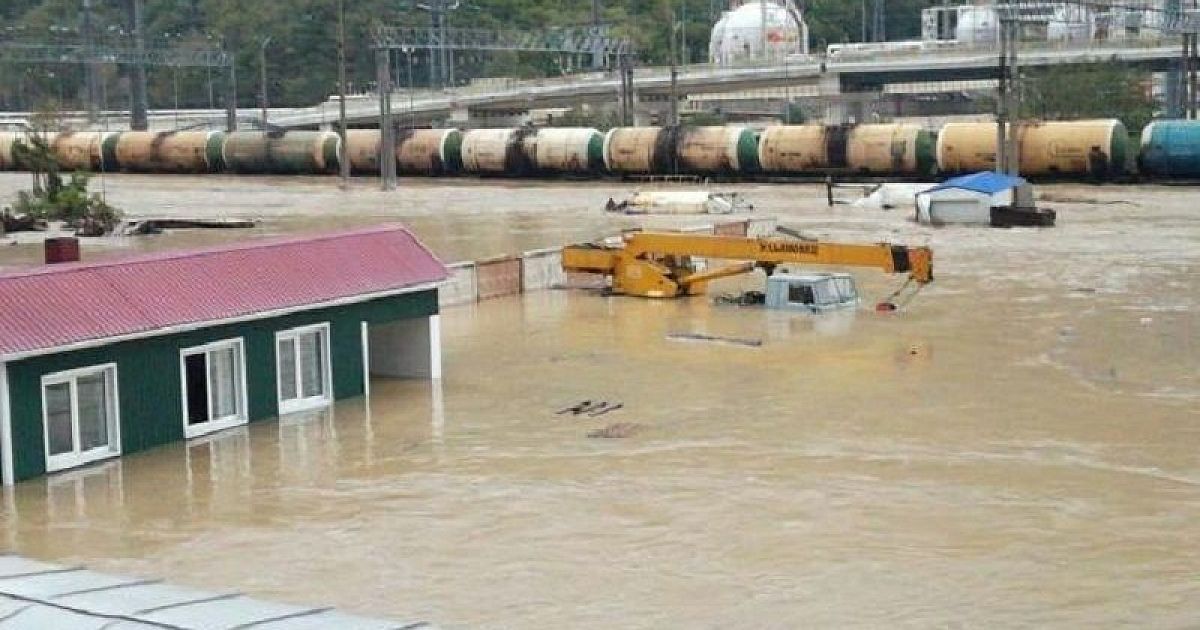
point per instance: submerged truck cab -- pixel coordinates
(812, 292)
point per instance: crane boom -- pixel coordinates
(656, 264)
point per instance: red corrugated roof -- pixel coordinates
(58, 305)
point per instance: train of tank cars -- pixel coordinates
(1083, 149)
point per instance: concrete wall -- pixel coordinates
(461, 287)
(541, 269)
(497, 277)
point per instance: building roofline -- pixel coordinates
(253, 243)
(190, 326)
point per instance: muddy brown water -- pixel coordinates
(1019, 447)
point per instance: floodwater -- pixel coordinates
(1019, 447)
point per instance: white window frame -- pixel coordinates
(312, 402)
(73, 459)
(213, 424)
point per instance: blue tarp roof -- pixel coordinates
(986, 182)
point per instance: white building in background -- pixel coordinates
(1045, 21)
(758, 30)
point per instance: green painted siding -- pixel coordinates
(148, 373)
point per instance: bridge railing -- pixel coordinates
(799, 62)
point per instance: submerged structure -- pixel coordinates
(107, 358)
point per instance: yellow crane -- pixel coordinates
(659, 264)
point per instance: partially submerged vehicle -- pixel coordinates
(680, 202)
(814, 292)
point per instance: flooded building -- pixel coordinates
(100, 359)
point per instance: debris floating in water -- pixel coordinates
(616, 430)
(604, 410)
(590, 407)
(736, 341)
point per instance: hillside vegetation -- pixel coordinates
(302, 57)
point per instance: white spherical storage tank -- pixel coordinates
(739, 34)
(977, 24)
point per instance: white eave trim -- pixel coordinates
(182, 328)
(6, 446)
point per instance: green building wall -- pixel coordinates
(149, 386)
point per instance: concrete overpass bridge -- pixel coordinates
(830, 75)
(856, 75)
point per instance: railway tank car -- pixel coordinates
(496, 152)
(170, 151)
(362, 151)
(1170, 148)
(286, 153)
(565, 151)
(431, 152)
(85, 150)
(890, 149)
(799, 149)
(880, 149)
(731, 150)
(1081, 148)
(640, 150)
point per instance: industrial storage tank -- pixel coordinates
(496, 151)
(429, 151)
(1170, 148)
(362, 150)
(977, 24)
(730, 149)
(577, 150)
(84, 150)
(170, 151)
(739, 35)
(291, 152)
(1078, 147)
(794, 149)
(640, 150)
(890, 149)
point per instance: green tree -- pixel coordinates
(1094, 91)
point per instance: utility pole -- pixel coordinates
(344, 160)
(683, 48)
(231, 124)
(863, 9)
(762, 27)
(93, 68)
(262, 78)
(412, 112)
(137, 114)
(1192, 78)
(674, 120)
(1002, 101)
(879, 22)
(598, 60)
(1008, 96)
(387, 131)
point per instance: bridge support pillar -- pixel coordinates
(460, 116)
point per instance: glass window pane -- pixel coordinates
(58, 419)
(92, 391)
(825, 293)
(312, 364)
(800, 294)
(287, 369)
(223, 382)
(195, 370)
